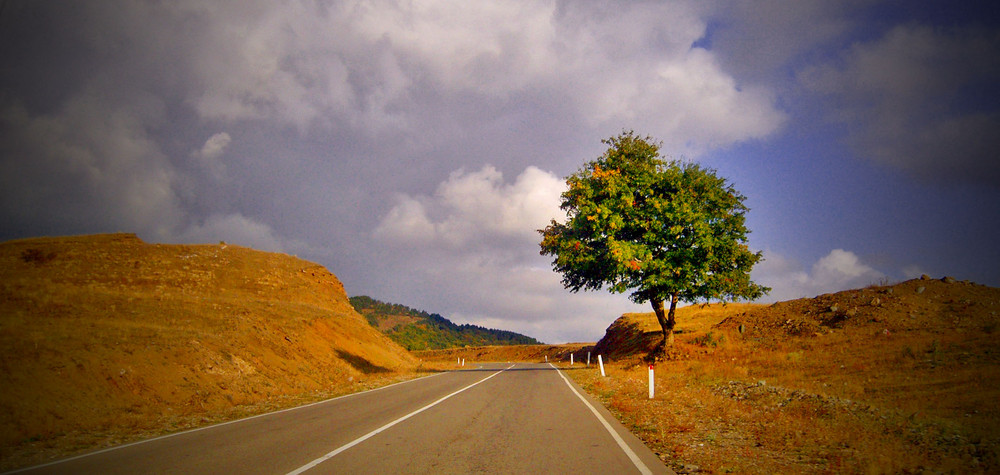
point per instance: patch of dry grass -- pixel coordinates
(908, 384)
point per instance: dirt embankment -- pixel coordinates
(106, 337)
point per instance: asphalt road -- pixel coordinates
(491, 418)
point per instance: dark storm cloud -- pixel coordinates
(922, 99)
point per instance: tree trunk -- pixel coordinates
(666, 319)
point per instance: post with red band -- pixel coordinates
(651, 381)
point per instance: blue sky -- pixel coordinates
(414, 148)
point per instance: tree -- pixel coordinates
(667, 231)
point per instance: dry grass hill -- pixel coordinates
(898, 378)
(106, 338)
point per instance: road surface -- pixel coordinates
(491, 418)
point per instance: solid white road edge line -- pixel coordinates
(197, 429)
(380, 429)
(621, 443)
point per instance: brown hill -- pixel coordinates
(898, 378)
(103, 334)
(942, 306)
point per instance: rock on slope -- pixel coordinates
(99, 332)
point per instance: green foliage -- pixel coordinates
(432, 331)
(708, 340)
(659, 229)
(372, 308)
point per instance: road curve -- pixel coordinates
(492, 418)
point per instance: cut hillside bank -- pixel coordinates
(110, 335)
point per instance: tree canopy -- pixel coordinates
(664, 230)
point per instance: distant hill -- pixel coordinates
(418, 330)
(100, 334)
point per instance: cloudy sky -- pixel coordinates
(414, 147)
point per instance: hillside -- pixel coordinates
(900, 378)
(107, 335)
(419, 330)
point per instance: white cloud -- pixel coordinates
(234, 229)
(477, 239)
(497, 289)
(471, 208)
(215, 145)
(703, 97)
(210, 153)
(369, 64)
(912, 99)
(406, 223)
(842, 268)
(554, 316)
(633, 64)
(493, 47)
(836, 271)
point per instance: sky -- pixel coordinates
(415, 147)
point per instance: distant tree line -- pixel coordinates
(431, 331)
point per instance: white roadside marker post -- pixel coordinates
(588, 358)
(459, 361)
(651, 381)
(463, 361)
(571, 359)
(601, 362)
(546, 358)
